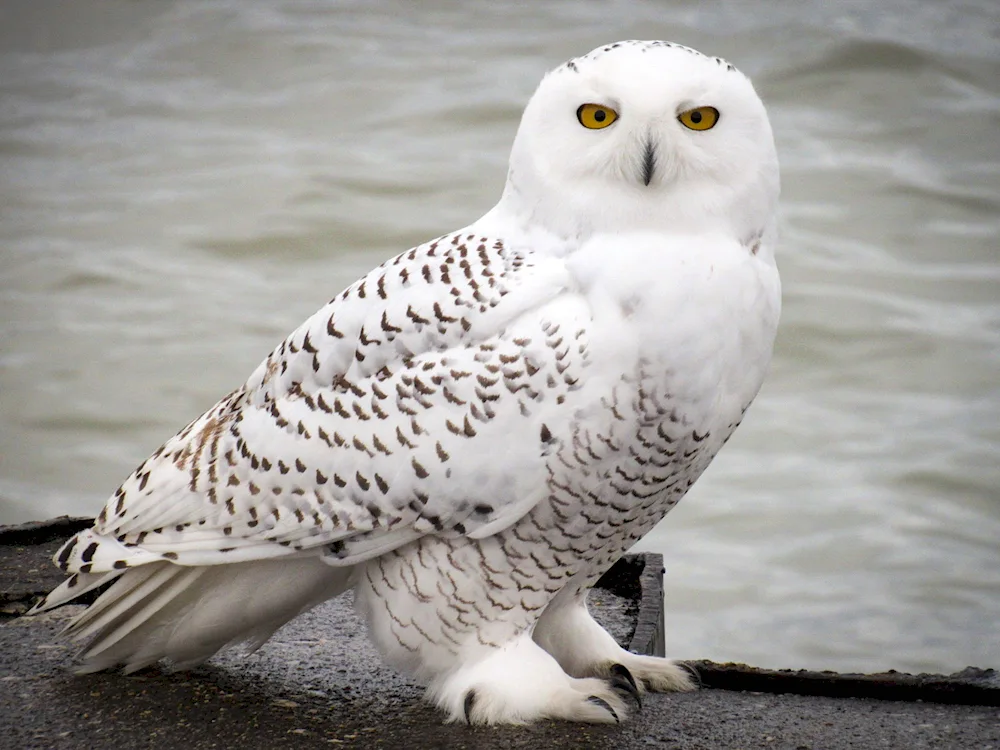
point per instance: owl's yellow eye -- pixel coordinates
(700, 118)
(595, 116)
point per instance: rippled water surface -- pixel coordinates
(182, 183)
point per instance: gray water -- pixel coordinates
(182, 183)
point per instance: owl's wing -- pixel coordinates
(420, 400)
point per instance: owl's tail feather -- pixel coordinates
(185, 614)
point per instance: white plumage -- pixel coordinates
(470, 435)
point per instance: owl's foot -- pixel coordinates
(521, 683)
(652, 673)
(584, 649)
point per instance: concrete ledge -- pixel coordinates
(26, 567)
(319, 683)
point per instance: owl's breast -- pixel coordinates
(677, 347)
(692, 317)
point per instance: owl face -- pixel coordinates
(647, 135)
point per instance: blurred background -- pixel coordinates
(181, 183)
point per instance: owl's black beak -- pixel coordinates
(648, 162)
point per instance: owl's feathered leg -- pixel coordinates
(520, 683)
(583, 648)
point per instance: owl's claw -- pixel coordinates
(605, 705)
(623, 681)
(467, 704)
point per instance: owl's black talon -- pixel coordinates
(693, 671)
(470, 701)
(605, 705)
(622, 670)
(622, 680)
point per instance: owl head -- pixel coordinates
(644, 136)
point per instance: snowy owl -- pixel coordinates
(471, 434)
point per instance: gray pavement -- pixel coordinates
(318, 683)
